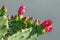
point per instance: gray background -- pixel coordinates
(42, 9)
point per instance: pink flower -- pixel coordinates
(49, 28)
(21, 10)
(47, 23)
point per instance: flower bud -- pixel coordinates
(8, 16)
(47, 23)
(4, 8)
(49, 28)
(12, 16)
(38, 21)
(25, 18)
(16, 17)
(31, 18)
(21, 10)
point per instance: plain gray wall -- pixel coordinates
(42, 9)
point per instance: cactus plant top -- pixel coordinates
(20, 27)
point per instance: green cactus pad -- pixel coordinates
(3, 26)
(25, 34)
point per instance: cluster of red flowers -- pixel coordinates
(47, 25)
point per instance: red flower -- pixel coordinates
(47, 23)
(49, 28)
(21, 10)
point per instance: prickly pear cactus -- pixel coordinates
(20, 27)
(3, 23)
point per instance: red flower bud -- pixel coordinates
(16, 16)
(25, 18)
(12, 16)
(4, 7)
(49, 28)
(8, 16)
(21, 10)
(47, 23)
(25, 24)
(38, 21)
(31, 18)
